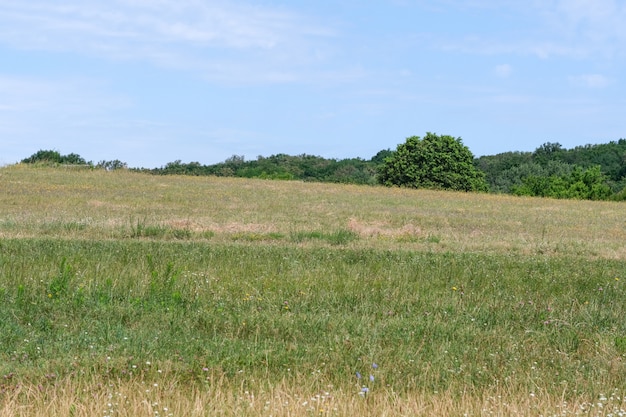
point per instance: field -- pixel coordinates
(124, 294)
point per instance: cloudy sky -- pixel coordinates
(154, 81)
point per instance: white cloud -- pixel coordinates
(186, 21)
(210, 37)
(553, 28)
(595, 26)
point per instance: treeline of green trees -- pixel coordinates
(281, 167)
(595, 172)
(48, 157)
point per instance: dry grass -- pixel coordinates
(95, 204)
(137, 398)
(113, 206)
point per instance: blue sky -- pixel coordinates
(154, 81)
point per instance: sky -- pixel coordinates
(149, 82)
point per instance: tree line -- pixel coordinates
(593, 172)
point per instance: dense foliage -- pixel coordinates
(282, 167)
(439, 162)
(582, 184)
(552, 171)
(54, 157)
(584, 172)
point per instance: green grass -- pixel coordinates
(430, 321)
(96, 294)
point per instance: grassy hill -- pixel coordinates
(129, 294)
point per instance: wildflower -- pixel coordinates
(371, 378)
(454, 288)
(375, 365)
(358, 375)
(364, 391)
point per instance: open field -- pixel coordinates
(124, 294)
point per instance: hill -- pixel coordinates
(123, 293)
(594, 172)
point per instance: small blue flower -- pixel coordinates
(358, 375)
(372, 378)
(365, 390)
(375, 365)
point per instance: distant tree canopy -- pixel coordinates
(579, 183)
(594, 172)
(54, 157)
(282, 167)
(547, 170)
(438, 162)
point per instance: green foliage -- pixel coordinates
(548, 152)
(513, 177)
(499, 168)
(438, 162)
(581, 184)
(611, 157)
(43, 156)
(509, 171)
(54, 157)
(380, 157)
(112, 165)
(281, 167)
(73, 159)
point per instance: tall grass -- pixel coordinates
(304, 316)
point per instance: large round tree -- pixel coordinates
(437, 162)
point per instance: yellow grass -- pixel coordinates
(96, 205)
(138, 398)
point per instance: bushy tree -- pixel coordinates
(437, 162)
(548, 152)
(73, 159)
(380, 157)
(514, 177)
(54, 157)
(44, 156)
(581, 184)
(112, 165)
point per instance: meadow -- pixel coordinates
(125, 294)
